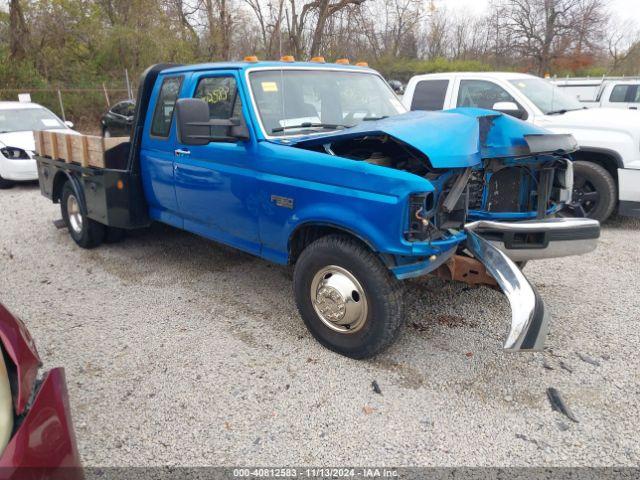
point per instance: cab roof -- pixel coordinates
(263, 64)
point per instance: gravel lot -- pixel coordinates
(181, 352)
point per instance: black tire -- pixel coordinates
(5, 184)
(594, 192)
(115, 235)
(91, 234)
(383, 294)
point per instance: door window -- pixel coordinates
(619, 94)
(221, 94)
(429, 95)
(163, 115)
(482, 94)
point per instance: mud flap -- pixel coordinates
(529, 316)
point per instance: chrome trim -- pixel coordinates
(529, 317)
(549, 224)
(353, 69)
(555, 248)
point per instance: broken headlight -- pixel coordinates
(421, 210)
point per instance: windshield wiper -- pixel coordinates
(372, 119)
(332, 126)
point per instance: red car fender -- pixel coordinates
(19, 346)
(44, 447)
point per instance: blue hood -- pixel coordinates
(454, 138)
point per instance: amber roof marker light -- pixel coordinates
(287, 58)
(251, 58)
(317, 59)
(362, 64)
(343, 61)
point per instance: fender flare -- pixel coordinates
(77, 189)
(324, 223)
(602, 151)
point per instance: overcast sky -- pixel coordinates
(622, 9)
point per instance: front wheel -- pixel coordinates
(594, 192)
(348, 299)
(85, 232)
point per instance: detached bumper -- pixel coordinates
(538, 239)
(529, 316)
(44, 445)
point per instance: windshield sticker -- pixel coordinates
(269, 87)
(47, 122)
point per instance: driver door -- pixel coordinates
(215, 183)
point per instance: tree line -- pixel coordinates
(86, 42)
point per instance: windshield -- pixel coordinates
(546, 96)
(27, 119)
(293, 102)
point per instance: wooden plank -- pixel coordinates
(54, 146)
(85, 152)
(69, 149)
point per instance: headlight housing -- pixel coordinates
(14, 153)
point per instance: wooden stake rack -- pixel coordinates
(86, 150)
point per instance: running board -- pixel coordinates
(529, 316)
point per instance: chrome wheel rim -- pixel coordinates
(73, 212)
(339, 299)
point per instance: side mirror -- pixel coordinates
(509, 108)
(69, 124)
(194, 125)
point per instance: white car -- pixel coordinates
(17, 124)
(607, 164)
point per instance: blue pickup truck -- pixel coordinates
(319, 166)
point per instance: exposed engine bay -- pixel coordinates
(526, 184)
(380, 150)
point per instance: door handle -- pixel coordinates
(182, 153)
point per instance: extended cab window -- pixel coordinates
(482, 94)
(221, 93)
(624, 93)
(163, 115)
(429, 95)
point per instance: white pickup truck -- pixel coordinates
(607, 166)
(603, 92)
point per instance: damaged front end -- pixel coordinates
(496, 182)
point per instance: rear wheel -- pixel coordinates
(348, 299)
(594, 192)
(4, 183)
(85, 232)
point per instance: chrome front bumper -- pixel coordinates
(529, 317)
(538, 239)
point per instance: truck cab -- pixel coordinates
(607, 161)
(623, 92)
(321, 167)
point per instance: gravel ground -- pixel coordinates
(181, 352)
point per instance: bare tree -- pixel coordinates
(18, 32)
